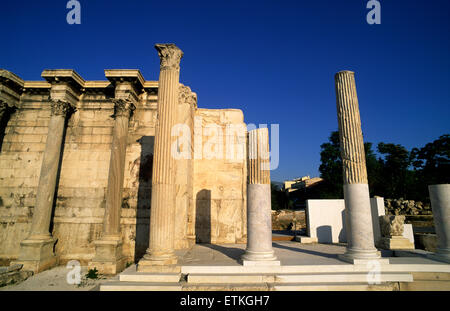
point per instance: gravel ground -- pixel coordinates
(56, 280)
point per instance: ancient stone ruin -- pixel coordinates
(126, 170)
(83, 161)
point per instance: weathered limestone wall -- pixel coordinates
(184, 235)
(210, 193)
(20, 163)
(80, 201)
(219, 183)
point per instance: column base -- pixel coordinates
(108, 257)
(395, 243)
(37, 254)
(259, 263)
(158, 263)
(251, 258)
(191, 240)
(362, 257)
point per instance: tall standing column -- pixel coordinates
(259, 219)
(358, 217)
(36, 252)
(109, 258)
(440, 203)
(162, 214)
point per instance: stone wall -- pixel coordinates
(406, 207)
(80, 197)
(288, 219)
(20, 163)
(220, 184)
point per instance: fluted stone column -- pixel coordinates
(440, 204)
(36, 252)
(162, 214)
(108, 250)
(259, 218)
(358, 216)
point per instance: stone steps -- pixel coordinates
(291, 287)
(308, 278)
(139, 286)
(150, 277)
(335, 277)
(335, 287)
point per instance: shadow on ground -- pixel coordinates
(305, 251)
(231, 252)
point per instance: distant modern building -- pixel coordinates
(300, 183)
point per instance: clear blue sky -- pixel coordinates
(275, 60)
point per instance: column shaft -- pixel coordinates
(259, 219)
(109, 258)
(162, 214)
(358, 217)
(36, 252)
(111, 224)
(440, 203)
(49, 170)
(163, 183)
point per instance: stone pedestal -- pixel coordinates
(36, 251)
(162, 214)
(108, 250)
(259, 219)
(108, 258)
(37, 254)
(359, 227)
(392, 228)
(440, 204)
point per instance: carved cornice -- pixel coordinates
(185, 95)
(70, 76)
(60, 108)
(170, 56)
(123, 107)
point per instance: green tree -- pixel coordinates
(373, 171)
(394, 164)
(331, 168)
(431, 164)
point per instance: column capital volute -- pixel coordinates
(123, 107)
(60, 107)
(170, 56)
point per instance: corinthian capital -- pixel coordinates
(392, 225)
(185, 95)
(60, 108)
(170, 56)
(123, 107)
